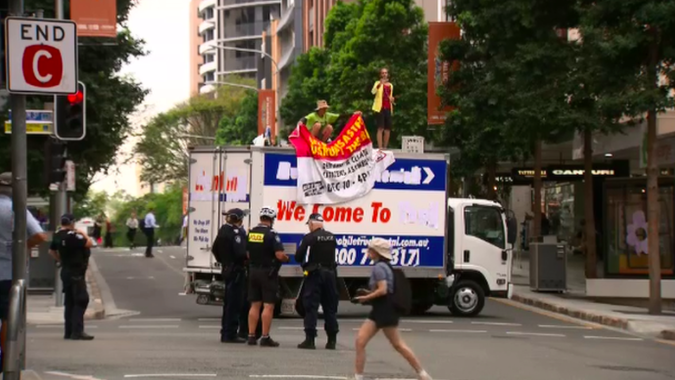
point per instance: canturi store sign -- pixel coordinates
(615, 169)
(568, 172)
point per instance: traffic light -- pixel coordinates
(55, 161)
(70, 115)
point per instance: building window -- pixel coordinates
(209, 77)
(208, 58)
(267, 12)
(208, 35)
(208, 13)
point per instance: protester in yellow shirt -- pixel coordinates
(383, 107)
(320, 122)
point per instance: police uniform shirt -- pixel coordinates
(230, 245)
(263, 243)
(72, 249)
(317, 248)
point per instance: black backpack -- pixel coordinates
(402, 296)
(141, 224)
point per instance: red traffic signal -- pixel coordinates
(76, 98)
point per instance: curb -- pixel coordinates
(668, 334)
(98, 311)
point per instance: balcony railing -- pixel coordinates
(240, 63)
(237, 2)
(233, 30)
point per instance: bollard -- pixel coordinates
(14, 355)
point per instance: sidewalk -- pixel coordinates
(41, 309)
(574, 303)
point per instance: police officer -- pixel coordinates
(266, 253)
(71, 248)
(316, 254)
(229, 249)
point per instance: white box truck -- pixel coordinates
(455, 252)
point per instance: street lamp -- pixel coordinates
(196, 136)
(231, 84)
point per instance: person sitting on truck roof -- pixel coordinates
(383, 314)
(320, 122)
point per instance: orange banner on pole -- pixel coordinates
(438, 71)
(94, 18)
(267, 114)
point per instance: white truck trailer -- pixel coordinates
(455, 252)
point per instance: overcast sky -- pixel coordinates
(163, 24)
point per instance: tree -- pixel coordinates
(111, 99)
(634, 43)
(226, 115)
(92, 205)
(360, 39)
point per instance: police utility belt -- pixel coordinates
(312, 267)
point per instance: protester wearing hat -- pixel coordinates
(320, 122)
(229, 249)
(316, 254)
(34, 234)
(71, 248)
(383, 315)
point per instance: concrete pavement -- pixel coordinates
(161, 334)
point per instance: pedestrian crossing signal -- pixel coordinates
(70, 115)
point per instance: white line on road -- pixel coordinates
(290, 328)
(458, 331)
(70, 375)
(159, 251)
(298, 377)
(611, 338)
(208, 319)
(60, 326)
(535, 334)
(154, 320)
(172, 375)
(496, 323)
(172, 256)
(149, 326)
(405, 330)
(565, 327)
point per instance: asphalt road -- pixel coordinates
(158, 334)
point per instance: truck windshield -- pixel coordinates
(485, 223)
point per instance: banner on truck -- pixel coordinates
(340, 171)
(407, 206)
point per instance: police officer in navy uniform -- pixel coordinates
(71, 248)
(266, 253)
(316, 254)
(229, 249)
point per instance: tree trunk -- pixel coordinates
(653, 191)
(589, 215)
(492, 181)
(536, 228)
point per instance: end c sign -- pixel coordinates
(42, 66)
(41, 56)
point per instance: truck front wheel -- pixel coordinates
(466, 299)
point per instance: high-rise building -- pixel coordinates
(226, 23)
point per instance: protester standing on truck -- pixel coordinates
(383, 106)
(229, 249)
(383, 315)
(320, 122)
(266, 253)
(71, 248)
(316, 254)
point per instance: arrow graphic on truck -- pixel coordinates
(286, 172)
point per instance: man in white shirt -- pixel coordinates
(150, 225)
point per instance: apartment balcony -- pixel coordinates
(206, 88)
(206, 25)
(207, 46)
(207, 67)
(232, 4)
(240, 64)
(232, 31)
(206, 4)
(287, 18)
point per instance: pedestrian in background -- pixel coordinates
(108, 234)
(149, 226)
(35, 236)
(383, 315)
(229, 249)
(316, 254)
(98, 230)
(132, 227)
(71, 249)
(266, 253)
(383, 105)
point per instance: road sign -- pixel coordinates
(38, 122)
(41, 56)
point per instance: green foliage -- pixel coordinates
(95, 203)
(229, 115)
(111, 99)
(360, 39)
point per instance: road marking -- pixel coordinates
(535, 334)
(565, 327)
(208, 319)
(78, 377)
(149, 327)
(159, 251)
(297, 377)
(560, 317)
(611, 338)
(172, 375)
(290, 328)
(496, 323)
(459, 331)
(172, 256)
(154, 320)
(209, 327)
(427, 321)
(182, 294)
(405, 330)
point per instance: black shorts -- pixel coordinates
(383, 119)
(5, 290)
(384, 314)
(262, 287)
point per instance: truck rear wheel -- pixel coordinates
(467, 299)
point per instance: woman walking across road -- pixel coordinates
(383, 315)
